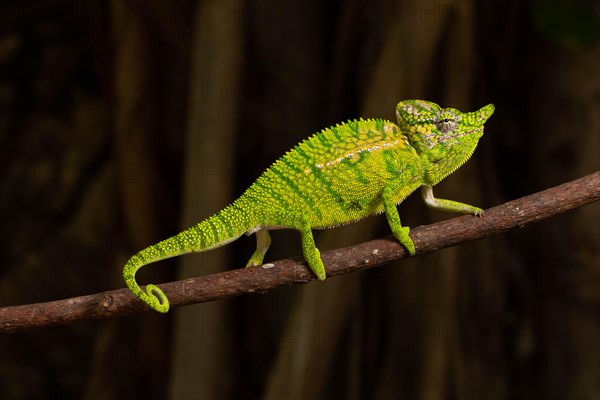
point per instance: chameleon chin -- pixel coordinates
(337, 176)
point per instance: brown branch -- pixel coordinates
(511, 215)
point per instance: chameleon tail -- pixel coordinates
(153, 296)
(223, 227)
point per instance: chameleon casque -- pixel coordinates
(337, 176)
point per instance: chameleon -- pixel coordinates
(338, 176)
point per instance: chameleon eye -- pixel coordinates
(445, 125)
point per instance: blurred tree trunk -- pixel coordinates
(204, 352)
(146, 126)
(564, 265)
(135, 153)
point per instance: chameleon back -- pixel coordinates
(334, 177)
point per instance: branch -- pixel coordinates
(511, 215)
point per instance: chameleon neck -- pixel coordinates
(443, 160)
(222, 228)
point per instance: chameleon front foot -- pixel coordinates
(448, 205)
(391, 212)
(405, 240)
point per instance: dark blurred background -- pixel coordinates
(124, 121)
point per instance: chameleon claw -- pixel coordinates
(410, 247)
(253, 262)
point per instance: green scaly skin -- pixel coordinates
(338, 176)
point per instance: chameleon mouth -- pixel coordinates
(449, 137)
(478, 129)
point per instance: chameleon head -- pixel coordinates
(446, 137)
(428, 125)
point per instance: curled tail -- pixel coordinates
(153, 296)
(218, 230)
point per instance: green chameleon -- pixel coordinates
(340, 175)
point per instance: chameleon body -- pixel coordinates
(337, 176)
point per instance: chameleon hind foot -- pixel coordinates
(263, 241)
(311, 253)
